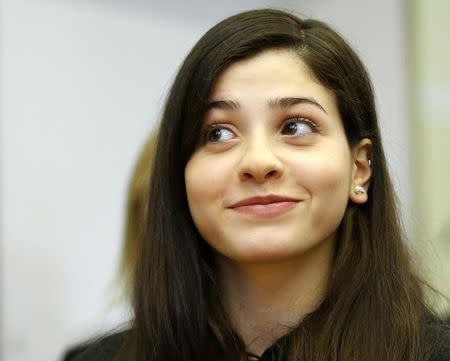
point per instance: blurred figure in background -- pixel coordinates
(137, 196)
(138, 189)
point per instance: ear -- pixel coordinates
(361, 171)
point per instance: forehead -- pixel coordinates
(271, 74)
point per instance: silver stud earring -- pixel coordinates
(359, 190)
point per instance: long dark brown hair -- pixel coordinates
(374, 308)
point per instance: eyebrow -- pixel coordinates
(282, 103)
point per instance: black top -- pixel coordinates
(105, 349)
(108, 348)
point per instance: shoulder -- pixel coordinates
(106, 348)
(441, 349)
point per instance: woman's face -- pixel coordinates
(273, 171)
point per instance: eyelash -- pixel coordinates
(309, 122)
(208, 131)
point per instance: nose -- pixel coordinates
(259, 162)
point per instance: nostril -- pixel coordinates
(271, 173)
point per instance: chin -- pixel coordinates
(264, 254)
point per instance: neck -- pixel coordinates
(265, 301)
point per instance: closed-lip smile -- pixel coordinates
(265, 206)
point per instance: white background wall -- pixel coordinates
(82, 84)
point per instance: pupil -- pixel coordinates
(215, 135)
(292, 128)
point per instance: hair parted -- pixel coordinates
(374, 308)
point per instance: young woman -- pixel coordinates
(272, 231)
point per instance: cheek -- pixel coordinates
(205, 180)
(327, 183)
(320, 172)
(327, 178)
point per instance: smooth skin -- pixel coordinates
(272, 129)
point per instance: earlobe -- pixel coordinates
(362, 171)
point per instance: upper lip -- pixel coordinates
(271, 198)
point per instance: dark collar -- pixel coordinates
(272, 353)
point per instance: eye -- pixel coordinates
(217, 134)
(297, 127)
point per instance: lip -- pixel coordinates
(265, 206)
